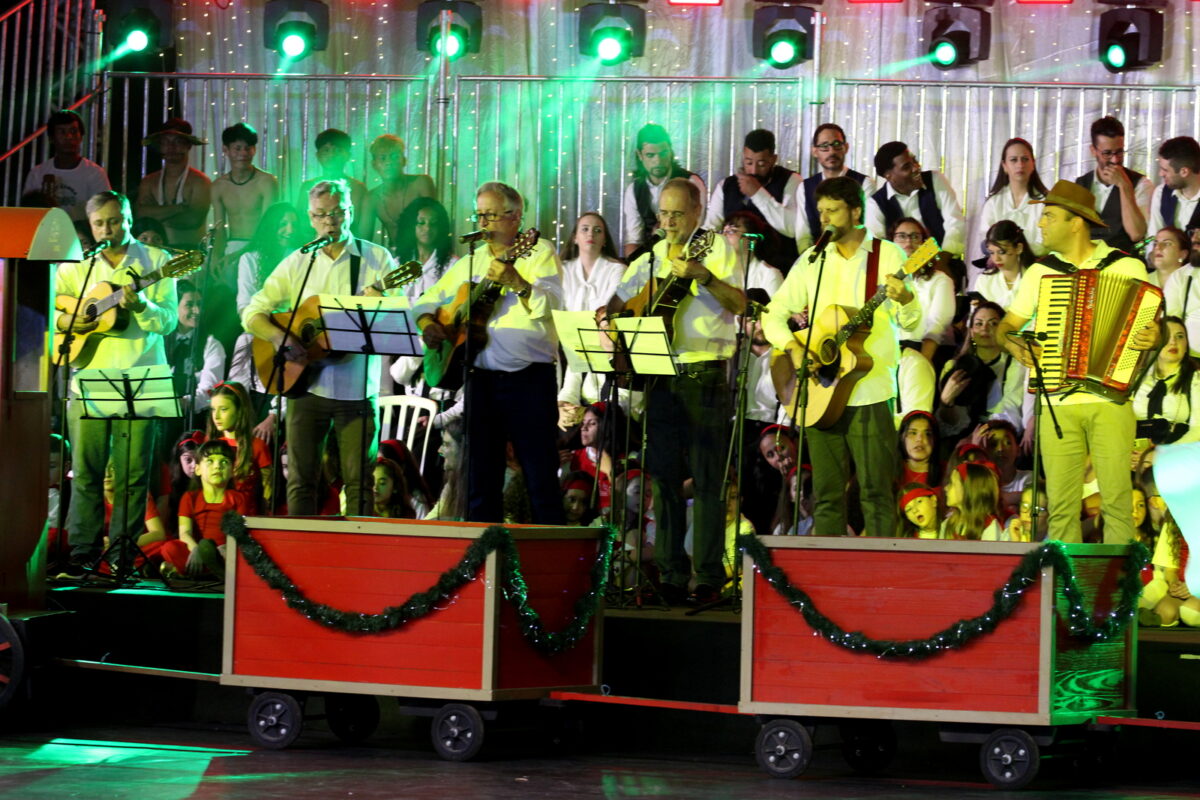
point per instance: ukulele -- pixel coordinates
(101, 308)
(838, 357)
(291, 378)
(443, 365)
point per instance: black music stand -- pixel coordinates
(369, 326)
(128, 395)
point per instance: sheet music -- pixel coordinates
(587, 348)
(650, 350)
(386, 322)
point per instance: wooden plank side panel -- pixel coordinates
(363, 573)
(1092, 678)
(558, 573)
(895, 595)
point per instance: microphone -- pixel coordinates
(317, 244)
(97, 249)
(475, 236)
(822, 242)
(1029, 336)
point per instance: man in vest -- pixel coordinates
(1122, 212)
(925, 196)
(656, 164)
(829, 148)
(1176, 201)
(764, 187)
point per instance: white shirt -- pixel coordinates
(1184, 208)
(778, 214)
(804, 234)
(517, 337)
(1000, 206)
(1141, 193)
(1183, 300)
(210, 373)
(764, 276)
(1024, 305)
(589, 293)
(631, 222)
(844, 283)
(704, 330)
(69, 188)
(994, 287)
(344, 377)
(762, 404)
(141, 343)
(952, 216)
(431, 273)
(935, 293)
(1176, 406)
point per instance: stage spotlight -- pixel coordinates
(957, 36)
(783, 36)
(295, 28)
(465, 30)
(612, 32)
(1130, 38)
(139, 30)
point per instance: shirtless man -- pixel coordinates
(239, 197)
(177, 195)
(387, 201)
(333, 154)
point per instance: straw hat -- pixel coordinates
(1074, 198)
(174, 127)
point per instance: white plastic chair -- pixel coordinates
(398, 415)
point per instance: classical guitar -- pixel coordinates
(101, 309)
(290, 378)
(661, 296)
(838, 359)
(465, 319)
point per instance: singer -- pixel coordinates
(339, 395)
(849, 275)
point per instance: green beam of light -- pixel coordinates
(900, 66)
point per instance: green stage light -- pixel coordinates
(1130, 38)
(783, 36)
(294, 44)
(783, 49)
(612, 33)
(465, 28)
(957, 36)
(455, 43)
(1114, 57)
(137, 40)
(611, 45)
(945, 54)
(295, 28)
(783, 52)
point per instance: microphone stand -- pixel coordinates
(1038, 382)
(199, 334)
(467, 366)
(800, 400)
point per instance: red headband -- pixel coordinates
(962, 468)
(913, 494)
(577, 483)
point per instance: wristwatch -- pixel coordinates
(524, 293)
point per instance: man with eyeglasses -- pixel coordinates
(511, 392)
(1176, 201)
(763, 187)
(829, 149)
(340, 391)
(1123, 211)
(688, 415)
(656, 164)
(909, 191)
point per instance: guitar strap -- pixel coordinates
(872, 272)
(355, 264)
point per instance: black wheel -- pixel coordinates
(351, 717)
(275, 719)
(1009, 758)
(457, 732)
(868, 747)
(12, 661)
(784, 748)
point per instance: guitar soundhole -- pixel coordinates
(89, 312)
(828, 351)
(827, 374)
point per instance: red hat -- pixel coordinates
(582, 484)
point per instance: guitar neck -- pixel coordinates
(139, 283)
(865, 313)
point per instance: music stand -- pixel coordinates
(127, 395)
(369, 326)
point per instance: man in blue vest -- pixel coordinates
(656, 164)
(1123, 211)
(1176, 201)
(907, 191)
(764, 187)
(829, 148)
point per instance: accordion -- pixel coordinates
(1089, 318)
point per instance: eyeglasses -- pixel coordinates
(825, 147)
(909, 237)
(1112, 153)
(672, 214)
(1028, 507)
(332, 215)
(489, 216)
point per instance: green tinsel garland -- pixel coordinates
(424, 603)
(1051, 554)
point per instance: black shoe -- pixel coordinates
(76, 567)
(673, 595)
(703, 595)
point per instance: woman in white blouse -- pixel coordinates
(1008, 256)
(1017, 182)
(591, 268)
(1170, 250)
(1167, 399)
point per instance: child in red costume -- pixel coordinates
(200, 549)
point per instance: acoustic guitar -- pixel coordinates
(101, 309)
(838, 359)
(291, 378)
(661, 297)
(465, 319)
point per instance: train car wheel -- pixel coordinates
(275, 719)
(784, 748)
(869, 746)
(1009, 758)
(351, 717)
(12, 661)
(457, 732)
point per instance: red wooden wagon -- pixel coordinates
(1010, 690)
(470, 650)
